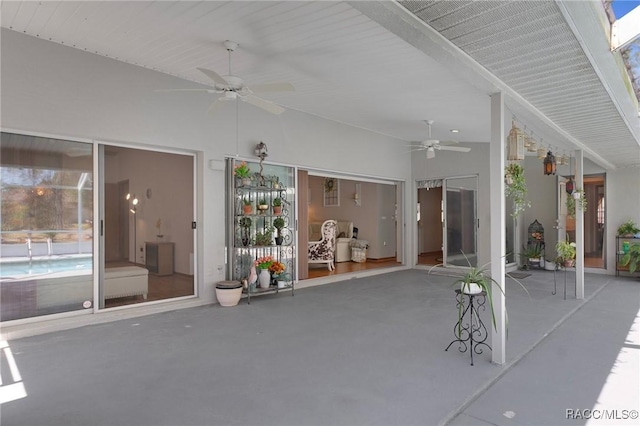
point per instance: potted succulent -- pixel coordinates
(566, 253)
(247, 207)
(516, 188)
(628, 229)
(245, 224)
(243, 172)
(263, 206)
(277, 206)
(631, 258)
(278, 223)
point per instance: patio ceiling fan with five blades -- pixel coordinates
(232, 87)
(431, 145)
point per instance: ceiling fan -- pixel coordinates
(232, 87)
(431, 145)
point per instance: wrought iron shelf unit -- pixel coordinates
(265, 228)
(620, 251)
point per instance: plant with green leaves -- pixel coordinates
(277, 202)
(566, 251)
(278, 223)
(576, 199)
(516, 188)
(480, 276)
(264, 237)
(245, 222)
(631, 258)
(628, 228)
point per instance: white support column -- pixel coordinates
(498, 228)
(579, 228)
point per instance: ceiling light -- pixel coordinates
(455, 131)
(431, 153)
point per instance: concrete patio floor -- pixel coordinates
(366, 351)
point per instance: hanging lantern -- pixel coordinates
(541, 153)
(515, 144)
(570, 186)
(530, 143)
(549, 164)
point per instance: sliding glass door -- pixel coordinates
(460, 236)
(46, 258)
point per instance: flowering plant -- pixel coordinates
(277, 268)
(242, 170)
(264, 262)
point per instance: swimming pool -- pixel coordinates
(51, 265)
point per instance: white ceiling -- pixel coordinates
(350, 67)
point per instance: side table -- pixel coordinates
(470, 327)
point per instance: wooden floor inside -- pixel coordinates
(431, 258)
(160, 288)
(321, 270)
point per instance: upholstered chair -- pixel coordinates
(324, 251)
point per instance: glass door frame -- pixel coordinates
(445, 242)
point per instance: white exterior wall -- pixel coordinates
(61, 91)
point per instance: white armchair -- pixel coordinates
(323, 251)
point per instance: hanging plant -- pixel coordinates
(516, 188)
(577, 198)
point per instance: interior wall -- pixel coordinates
(82, 95)
(374, 217)
(454, 164)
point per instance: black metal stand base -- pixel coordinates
(470, 327)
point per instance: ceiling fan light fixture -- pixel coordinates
(431, 152)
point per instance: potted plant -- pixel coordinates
(278, 223)
(577, 198)
(531, 255)
(277, 206)
(279, 275)
(243, 172)
(264, 263)
(628, 229)
(263, 238)
(263, 206)
(245, 224)
(566, 253)
(631, 258)
(247, 208)
(477, 280)
(516, 188)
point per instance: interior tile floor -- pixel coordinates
(357, 352)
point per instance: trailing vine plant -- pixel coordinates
(516, 188)
(572, 202)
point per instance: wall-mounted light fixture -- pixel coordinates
(134, 202)
(357, 196)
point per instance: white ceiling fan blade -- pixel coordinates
(188, 90)
(273, 87)
(213, 76)
(214, 106)
(454, 148)
(264, 104)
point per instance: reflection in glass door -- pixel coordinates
(460, 221)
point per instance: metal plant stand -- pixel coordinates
(575, 280)
(470, 327)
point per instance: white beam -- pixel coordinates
(498, 228)
(579, 228)
(625, 30)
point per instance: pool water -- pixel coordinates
(40, 267)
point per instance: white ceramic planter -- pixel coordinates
(470, 288)
(264, 278)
